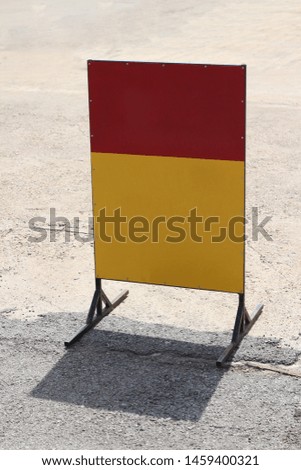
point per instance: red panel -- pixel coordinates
(184, 110)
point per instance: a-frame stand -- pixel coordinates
(101, 307)
(242, 326)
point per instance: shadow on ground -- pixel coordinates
(134, 373)
(148, 369)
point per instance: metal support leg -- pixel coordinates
(96, 311)
(242, 326)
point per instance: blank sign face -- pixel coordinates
(168, 173)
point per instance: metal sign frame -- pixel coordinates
(134, 127)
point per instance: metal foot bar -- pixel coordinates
(96, 305)
(242, 326)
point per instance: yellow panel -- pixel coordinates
(153, 186)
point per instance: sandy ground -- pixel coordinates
(45, 164)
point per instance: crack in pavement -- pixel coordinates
(284, 370)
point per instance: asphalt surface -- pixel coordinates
(131, 385)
